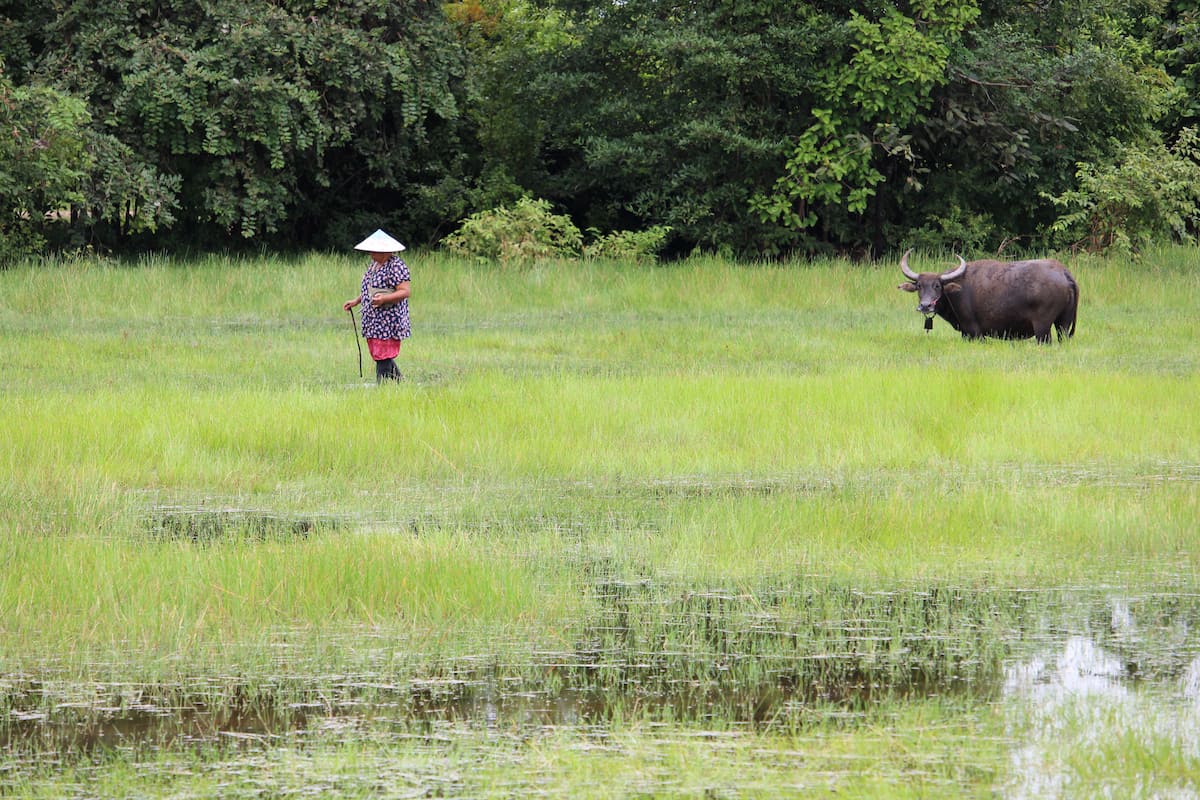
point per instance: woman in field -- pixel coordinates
(384, 299)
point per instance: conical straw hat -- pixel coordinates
(379, 242)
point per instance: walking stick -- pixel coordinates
(357, 343)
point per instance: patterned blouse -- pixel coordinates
(390, 322)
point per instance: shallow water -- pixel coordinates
(772, 659)
(1081, 697)
(796, 657)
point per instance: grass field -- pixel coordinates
(704, 529)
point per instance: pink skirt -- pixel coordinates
(383, 349)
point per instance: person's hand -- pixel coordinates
(349, 304)
(378, 302)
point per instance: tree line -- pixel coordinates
(753, 128)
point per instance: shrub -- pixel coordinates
(45, 162)
(960, 230)
(528, 231)
(1150, 193)
(639, 246)
(525, 231)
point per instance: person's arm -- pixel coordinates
(349, 304)
(403, 291)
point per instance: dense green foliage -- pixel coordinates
(751, 128)
(1151, 193)
(287, 121)
(43, 159)
(766, 127)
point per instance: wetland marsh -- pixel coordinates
(704, 529)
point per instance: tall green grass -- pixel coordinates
(706, 420)
(701, 496)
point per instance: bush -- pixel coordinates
(525, 231)
(45, 162)
(639, 246)
(528, 231)
(958, 230)
(1151, 193)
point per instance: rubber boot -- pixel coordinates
(386, 370)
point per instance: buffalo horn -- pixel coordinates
(957, 271)
(908, 273)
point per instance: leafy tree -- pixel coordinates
(43, 161)
(1178, 40)
(508, 43)
(763, 127)
(873, 90)
(123, 195)
(279, 121)
(752, 128)
(651, 112)
(1032, 92)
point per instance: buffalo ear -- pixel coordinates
(908, 287)
(952, 287)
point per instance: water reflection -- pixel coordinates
(1076, 704)
(1080, 668)
(1190, 682)
(781, 657)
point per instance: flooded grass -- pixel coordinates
(591, 548)
(203, 524)
(732, 676)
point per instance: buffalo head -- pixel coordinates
(930, 286)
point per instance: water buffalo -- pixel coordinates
(1006, 299)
